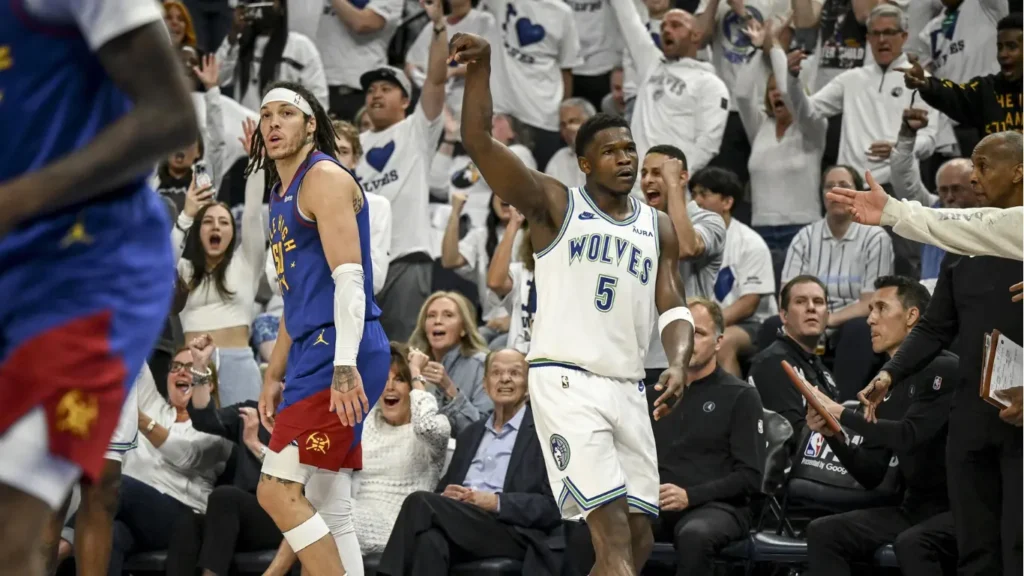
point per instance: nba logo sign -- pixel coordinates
(814, 445)
(937, 383)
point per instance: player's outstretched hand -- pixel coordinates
(347, 396)
(270, 398)
(913, 77)
(865, 206)
(671, 385)
(468, 49)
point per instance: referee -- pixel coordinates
(983, 451)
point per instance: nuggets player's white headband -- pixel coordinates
(288, 97)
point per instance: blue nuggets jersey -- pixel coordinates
(93, 281)
(308, 292)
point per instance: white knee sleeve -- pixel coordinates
(306, 533)
(331, 494)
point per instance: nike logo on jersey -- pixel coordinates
(608, 249)
(587, 216)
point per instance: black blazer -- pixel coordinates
(526, 501)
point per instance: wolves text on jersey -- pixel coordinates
(608, 249)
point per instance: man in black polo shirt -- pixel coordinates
(912, 427)
(983, 451)
(804, 313)
(710, 453)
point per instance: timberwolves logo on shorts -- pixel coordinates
(560, 451)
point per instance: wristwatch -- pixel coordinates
(421, 380)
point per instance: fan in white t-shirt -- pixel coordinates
(353, 38)
(395, 163)
(564, 165)
(961, 40)
(745, 286)
(463, 18)
(510, 277)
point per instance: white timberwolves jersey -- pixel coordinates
(595, 290)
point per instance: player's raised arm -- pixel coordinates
(675, 323)
(143, 66)
(538, 196)
(331, 194)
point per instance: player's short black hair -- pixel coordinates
(717, 181)
(670, 151)
(1012, 21)
(801, 279)
(592, 126)
(911, 293)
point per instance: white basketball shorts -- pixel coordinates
(596, 437)
(27, 465)
(126, 435)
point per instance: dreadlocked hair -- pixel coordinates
(270, 61)
(323, 136)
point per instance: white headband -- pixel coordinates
(288, 97)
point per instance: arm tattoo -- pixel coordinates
(344, 378)
(269, 478)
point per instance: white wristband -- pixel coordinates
(673, 314)
(349, 313)
(184, 221)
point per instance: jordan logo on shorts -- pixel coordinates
(318, 442)
(320, 339)
(560, 451)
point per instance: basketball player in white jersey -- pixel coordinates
(604, 262)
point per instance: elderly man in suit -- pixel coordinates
(495, 500)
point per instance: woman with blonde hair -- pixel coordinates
(449, 354)
(179, 24)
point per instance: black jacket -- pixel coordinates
(526, 502)
(777, 391)
(227, 423)
(915, 433)
(988, 104)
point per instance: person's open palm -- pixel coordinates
(865, 207)
(209, 73)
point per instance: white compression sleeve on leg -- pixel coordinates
(349, 313)
(331, 494)
(306, 533)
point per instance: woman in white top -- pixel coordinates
(221, 283)
(786, 145)
(259, 50)
(172, 471)
(404, 446)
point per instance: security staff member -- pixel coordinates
(914, 430)
(984, 447)
(804, 313)
(710, 452)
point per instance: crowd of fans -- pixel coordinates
(767, 104)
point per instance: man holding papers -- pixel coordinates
(914, 431)
(983, 451)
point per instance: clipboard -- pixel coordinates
(1002, 359)
(805, 389)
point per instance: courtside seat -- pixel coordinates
(146, 563)
(488, 567)
(663, 557)
(885, 557)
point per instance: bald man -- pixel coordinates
(983, 455)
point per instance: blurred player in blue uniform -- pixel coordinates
(91, 97)
(331, 351)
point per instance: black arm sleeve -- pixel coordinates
(934, 332)
(926, 417)
(746, 446)
(961, 102)
(223, 422)
(777, 392)
(867, 463)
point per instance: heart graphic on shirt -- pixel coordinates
(378, 157)
(657, 39)
(359, 3)
(528, 32)
(724, 283)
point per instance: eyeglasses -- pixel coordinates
(890, 33)
(179, 366)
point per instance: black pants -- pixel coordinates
(144, 521)
(545, 144)
(699, 533)
(433, 532)
(734, 152)
(345, 102)
(834, 542)
(592, 88)
(928, 547)
(983, 463)
(234, 522)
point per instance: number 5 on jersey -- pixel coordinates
(604, 297)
